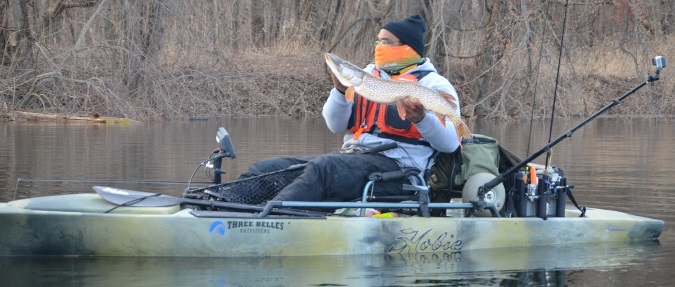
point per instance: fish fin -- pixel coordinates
(349, 94)
(401, 110)
(449, 98)
(463, 130)
(441, 118)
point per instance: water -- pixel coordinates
(623, 165)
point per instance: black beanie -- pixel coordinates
(410, 31)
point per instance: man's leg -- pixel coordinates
(339, 177)
(258, 184)
(273, 164)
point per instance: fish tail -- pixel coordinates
(463, 131)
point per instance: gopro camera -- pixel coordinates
(659, 62)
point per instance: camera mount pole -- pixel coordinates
(659, 63)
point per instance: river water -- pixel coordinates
(618, 164)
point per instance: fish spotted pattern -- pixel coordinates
(388, 92)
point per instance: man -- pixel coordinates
(399, 53)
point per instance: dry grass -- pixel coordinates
(162, 60)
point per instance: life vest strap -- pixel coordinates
(403, 139)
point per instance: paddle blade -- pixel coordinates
(128, 197)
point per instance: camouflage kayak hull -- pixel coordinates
(78, 225)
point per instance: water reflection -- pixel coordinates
(616, 164)
(80, 154)
(544, 266)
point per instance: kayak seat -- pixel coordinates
(434, 184)
(414, 183)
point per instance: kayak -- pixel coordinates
(236, 219)
(90, 224)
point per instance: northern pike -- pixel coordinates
(388, 92)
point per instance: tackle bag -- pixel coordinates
(477, 155)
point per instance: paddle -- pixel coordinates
(126, 197)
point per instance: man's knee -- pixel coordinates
(266, 166)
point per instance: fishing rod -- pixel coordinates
(555, 90)
(545, 15)
(659, 62)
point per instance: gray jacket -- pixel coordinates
(337, 111)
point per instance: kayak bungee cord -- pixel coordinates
(133, 201)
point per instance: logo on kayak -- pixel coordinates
(247, 226)
(414, 241)
(250, 226)
(218, 227)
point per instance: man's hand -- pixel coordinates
(411, 109)
(339, 86)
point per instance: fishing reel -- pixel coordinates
(544, 192)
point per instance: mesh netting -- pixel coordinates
(256, 189)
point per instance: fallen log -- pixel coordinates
(92, 118)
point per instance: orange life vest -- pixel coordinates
(367, 115)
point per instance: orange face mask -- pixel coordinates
(394, 59)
